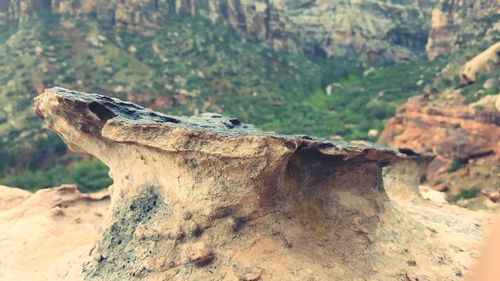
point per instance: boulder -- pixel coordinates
(208, 197)
(482, 63)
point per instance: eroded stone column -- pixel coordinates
(210, 198)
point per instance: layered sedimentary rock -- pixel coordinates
(211, 198)
(379, 31)
(464, 139)
(457, 22)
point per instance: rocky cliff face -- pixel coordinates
(379, 31)
(209, 198)
(457, 22)
(463, 138)
(457, 122)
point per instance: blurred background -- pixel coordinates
(419, 74)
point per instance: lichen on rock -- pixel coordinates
(211, 198)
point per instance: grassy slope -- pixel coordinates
(210, 67)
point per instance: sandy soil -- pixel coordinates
(42, 233)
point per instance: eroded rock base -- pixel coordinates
(210, 198)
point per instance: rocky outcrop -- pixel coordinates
(378, 31)
(457, 22)
(11, 197)
(463, 138)
(482, 63)
(450, 131)
(208, 197)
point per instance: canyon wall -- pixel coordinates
(457, 22)
(378, 31)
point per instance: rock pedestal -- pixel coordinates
(211, 198)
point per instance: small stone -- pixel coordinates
(187, 215)
(132, 49)
(251, 274)
(373, 132)
(57, 212)
(200, 255)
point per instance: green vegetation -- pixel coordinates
(196, 67)
(455, 166)
(88, 175)
(464, 194)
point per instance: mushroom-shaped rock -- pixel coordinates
(293, 207)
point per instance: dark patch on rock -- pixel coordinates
(235, 122)
(101, 111)
(117, 248)
(408, 152)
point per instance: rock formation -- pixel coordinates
(211, 198)
(463, 138)
(483, 62)
(457, 22)
(12, 197)
(379, 31)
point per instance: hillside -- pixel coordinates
(191, 66)
(265, 62)
(376, 31)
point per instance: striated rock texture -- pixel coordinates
(457, 22)
(210, 198)
(463, 138)
(378, 31)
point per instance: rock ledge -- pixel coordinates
(210, 198)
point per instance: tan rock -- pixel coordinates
(432, 195)
(493, 196)
(200, 254)
(38, 243)
(298, 206)
(11, 197)
(488, 102)
(484, 62)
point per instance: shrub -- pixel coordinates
(464, 194)
(89, 176)
(455, 166)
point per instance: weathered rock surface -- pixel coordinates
(11, 197)
(44, 235)
(483, 62)
(210, 198)
(379, 31)
(460, 135)
(457, 22)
